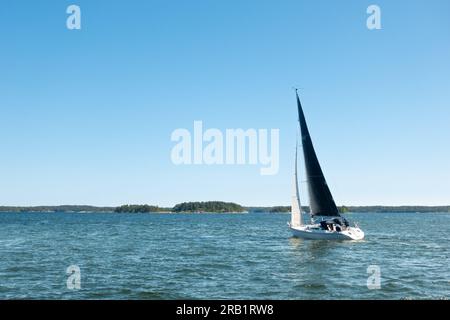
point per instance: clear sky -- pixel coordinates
(86, 115)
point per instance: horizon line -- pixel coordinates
(247, 206)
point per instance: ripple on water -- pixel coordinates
(128, 256)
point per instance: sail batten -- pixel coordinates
(320, 199)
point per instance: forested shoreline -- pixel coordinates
(210, 206)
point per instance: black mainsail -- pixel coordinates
(320, 199)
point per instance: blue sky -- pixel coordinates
(86, 115)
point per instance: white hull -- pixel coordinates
(313, 232)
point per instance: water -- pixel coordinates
(219, 256)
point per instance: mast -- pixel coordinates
(321, 201)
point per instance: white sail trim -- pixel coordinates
(296, 212)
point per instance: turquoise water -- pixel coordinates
(219, 256)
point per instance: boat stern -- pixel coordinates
(353, 233)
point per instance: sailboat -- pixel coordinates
(326, 221)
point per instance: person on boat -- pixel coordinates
(324, 225)
(346, 223)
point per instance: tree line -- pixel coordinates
(208, 206)
(345, 209)
(212, 206)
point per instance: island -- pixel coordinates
(209, 206)
(136, 208)
(54, 209)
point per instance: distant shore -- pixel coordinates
(209, 207)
